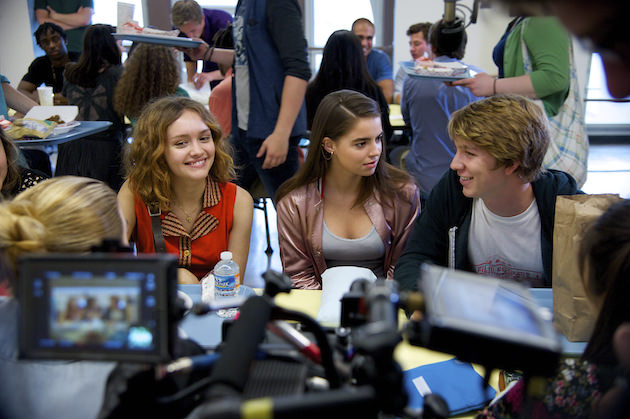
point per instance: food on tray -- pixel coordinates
(132, 27)
(428, 67)
(55, 118)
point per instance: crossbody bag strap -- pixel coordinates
(156, 226)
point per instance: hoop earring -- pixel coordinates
(326, 155)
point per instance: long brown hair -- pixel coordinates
(147, 169)
(336, 115)
(605, 266)
(99, 52)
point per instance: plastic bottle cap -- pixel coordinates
(227, 255)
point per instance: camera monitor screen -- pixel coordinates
(108, 307)
(487, 320)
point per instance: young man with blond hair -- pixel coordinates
(493, 212)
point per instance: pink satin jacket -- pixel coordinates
(300, 223)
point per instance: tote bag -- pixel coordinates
(568, 148)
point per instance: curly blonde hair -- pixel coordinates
(147, 170)
(511, 128)
(67, 214)
(150, 72)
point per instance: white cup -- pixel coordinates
(45, 94)
(125, 13)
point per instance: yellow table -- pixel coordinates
(395, 116)
(408, 356)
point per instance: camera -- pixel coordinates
(99, 306)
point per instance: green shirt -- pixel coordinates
(75, 36)
(548, 47)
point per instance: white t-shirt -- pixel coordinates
(506, 247)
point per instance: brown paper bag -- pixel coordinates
(573, 315)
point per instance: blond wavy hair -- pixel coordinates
(148, 173)
(511, 128)
(66, 214)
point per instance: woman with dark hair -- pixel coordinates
(580, 384)
(180, 166)
(346, 205)
(90, 85)
(150, 73)
(14, 178)
(343, 67)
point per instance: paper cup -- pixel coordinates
(45, 94)
(125, 13)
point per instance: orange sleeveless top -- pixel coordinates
(200, 250)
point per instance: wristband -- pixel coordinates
(211, 49)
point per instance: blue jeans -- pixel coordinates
(249, 167)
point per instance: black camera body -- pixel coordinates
(99, 306)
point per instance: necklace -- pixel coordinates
(189, 218)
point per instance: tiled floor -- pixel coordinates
(608, 172)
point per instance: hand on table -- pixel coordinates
(184, 276)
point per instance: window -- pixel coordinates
(602, 114)
(329, 16)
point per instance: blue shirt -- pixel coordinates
(426, 106)
(3, 102)
(379, 66)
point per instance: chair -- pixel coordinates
(260, 195)
(397, 156)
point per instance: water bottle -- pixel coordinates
(226, 281)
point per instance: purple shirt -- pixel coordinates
(215, 21)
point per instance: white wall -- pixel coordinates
(482, 36)
(16, 48)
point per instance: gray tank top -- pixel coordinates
(367, 251)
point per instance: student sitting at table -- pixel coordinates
(90, 85)
(578, 388)
(13, 177)
(151, 72)
(493, 212)
(180, 169)
(49, 68)
(346, 205)
(68, 215)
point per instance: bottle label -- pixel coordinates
(224, 286)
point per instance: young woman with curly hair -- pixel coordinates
(150, 73)
(346, 205)
(181, 167)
